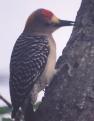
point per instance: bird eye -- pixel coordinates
(48, 24)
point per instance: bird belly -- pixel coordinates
(48, 72)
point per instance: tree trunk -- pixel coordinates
(70, 96)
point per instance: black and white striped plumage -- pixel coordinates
(28, 61)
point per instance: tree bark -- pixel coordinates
(70, 96)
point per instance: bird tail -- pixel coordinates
(13, 115)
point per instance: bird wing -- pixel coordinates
(28, 61)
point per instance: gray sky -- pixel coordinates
(13, 14)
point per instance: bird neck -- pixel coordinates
(37, 29)
(37, 33)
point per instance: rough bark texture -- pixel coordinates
(70, 96)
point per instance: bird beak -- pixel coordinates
(66, 23)
(59, 23)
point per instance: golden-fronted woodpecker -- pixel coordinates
(34, 56)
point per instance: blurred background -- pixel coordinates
(13, 15)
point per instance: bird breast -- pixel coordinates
(50, 66)
(48, 72)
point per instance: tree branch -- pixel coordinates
(5, 101)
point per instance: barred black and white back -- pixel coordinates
(28, 60)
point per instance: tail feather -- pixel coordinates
(13, 115)
(16, 114)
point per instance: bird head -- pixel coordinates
(44, 21)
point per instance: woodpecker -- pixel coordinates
(33, 57)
